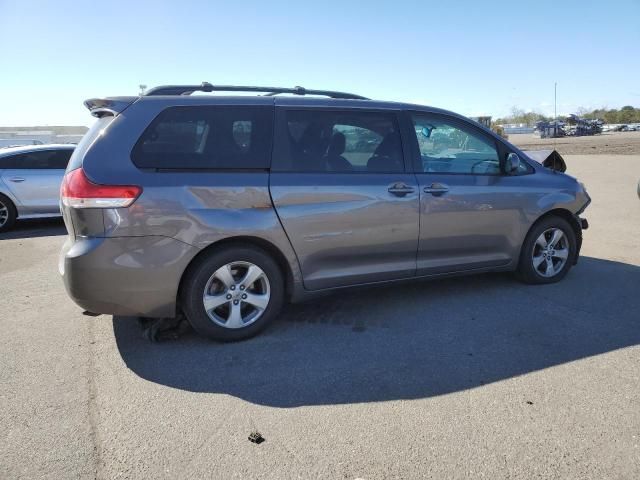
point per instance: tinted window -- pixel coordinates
(60, 159)
(47, 159)
(450, 147)
(207, 137)
(339, 141)
(7, 162)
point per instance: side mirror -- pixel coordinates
(512, 163)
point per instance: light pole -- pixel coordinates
(555, 108)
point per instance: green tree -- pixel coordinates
(518, 115)
(610, 116)
(627, 114)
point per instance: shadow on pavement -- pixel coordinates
(35, 227)
(405, 341)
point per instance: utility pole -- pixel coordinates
(555, 108)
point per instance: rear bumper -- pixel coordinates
(137, 276)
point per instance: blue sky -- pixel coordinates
(472, 57)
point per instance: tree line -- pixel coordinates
(626, 114)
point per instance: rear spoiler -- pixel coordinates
(548, 158)
(102, 107)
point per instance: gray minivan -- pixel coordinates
(225, 207)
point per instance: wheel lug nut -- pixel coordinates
(233, 287)
(244, 296)
(235, 302)
(241, 287)
(229, 297)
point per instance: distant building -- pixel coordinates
(10, 136)
(515, 128)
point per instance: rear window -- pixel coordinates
(204, 137)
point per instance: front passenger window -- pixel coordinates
(447, 147)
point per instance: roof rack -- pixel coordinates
(268, 91)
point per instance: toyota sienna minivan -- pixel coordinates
(223, 208)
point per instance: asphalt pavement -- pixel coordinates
(474, 377)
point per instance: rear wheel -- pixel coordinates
(232, 294)
(7, 213)
(548, 252)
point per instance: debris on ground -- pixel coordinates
(161, 329)
(256, 437)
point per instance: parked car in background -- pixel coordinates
(225, 207)
(30, 178)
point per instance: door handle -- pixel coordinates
(17, 179)
(436, 189)
(400, 189)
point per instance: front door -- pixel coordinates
(344, 195)
(470, 212)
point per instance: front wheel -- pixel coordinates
(232, 294)
(548, 252)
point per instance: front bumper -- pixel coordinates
(133, 276)
(583, 223)
(580, 224)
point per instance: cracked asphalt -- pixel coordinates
(475, 377)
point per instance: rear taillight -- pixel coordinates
(79, 192)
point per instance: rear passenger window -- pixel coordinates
(339, 141)
(207, 137)
(41, 160)
(242, 134)
(60, 159)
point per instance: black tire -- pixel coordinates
(6, 223)
(198, 275)
(526, 271)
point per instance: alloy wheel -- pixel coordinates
(4, 214)
(236, 295)
(550, 252)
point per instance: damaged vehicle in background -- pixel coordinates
(226, 207)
